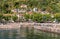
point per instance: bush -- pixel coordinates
(1, 16)
(46, 17)
(7, 18)
(14, 18)
(57, 17)
(27, 16)
(37, 17)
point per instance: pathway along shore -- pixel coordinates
(50, 27)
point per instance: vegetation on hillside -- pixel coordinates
(38, 17)
(51, 6)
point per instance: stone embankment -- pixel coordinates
(9, 26)
(50, 27)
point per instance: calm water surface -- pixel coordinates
(24, 33)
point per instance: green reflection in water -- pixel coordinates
(30, 33)
(40, 35)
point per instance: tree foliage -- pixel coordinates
(57, 16)
(14, 18)
(44, 5)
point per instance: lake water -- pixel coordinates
(25, 33)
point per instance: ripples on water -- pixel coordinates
(24, 33)
(10, 34)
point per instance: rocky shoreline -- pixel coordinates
(9, 26)
(48, 27)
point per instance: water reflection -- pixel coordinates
(27, 33)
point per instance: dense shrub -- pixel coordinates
(27, 16)
(14, 18)
(37, 17)
(57, 17)
(46, 17)
(7, 18)
(1, 16)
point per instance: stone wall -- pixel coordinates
(50, 27)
